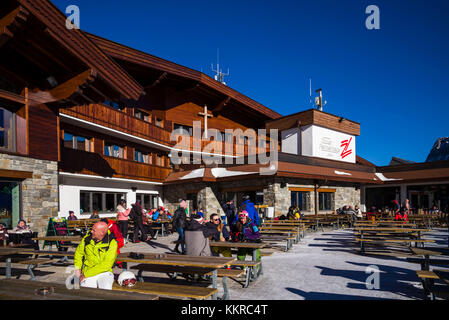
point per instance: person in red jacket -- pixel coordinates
(112, 226)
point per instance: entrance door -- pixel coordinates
(9, 203)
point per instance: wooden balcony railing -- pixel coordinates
(109, 117)
(83, 162)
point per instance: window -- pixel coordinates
(301, 199)
(159, 160)
(12, 131)
(177, 126)
(103, 202)
(326, 201)
(142, 157)
(9, 203)
(158, 122)
(77, 142)
(259, 198)
(114, 150)
(142, 115)
(148, 201)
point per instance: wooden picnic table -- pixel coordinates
(9, 252)
(206, 262)
(248, 245)
(389, 231)
(13, 289)
(58, 238)
(291, 228)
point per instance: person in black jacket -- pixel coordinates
(136, 214)
(222, 235)
(229, 210)
(179, 223)
(197, 236)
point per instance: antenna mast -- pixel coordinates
(219, 75)
(319, 100)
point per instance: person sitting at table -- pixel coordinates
(246, 231)
(222, 235)
(3, 234)
(72, 216)
(22, 227)
(371, 214)
(95, 215)
(293, 213)
(146, 222)
(196, 236)
(396, 207)
(95, 256)
(25, 230)
(161, 215)
(358, 212)
(401, 215)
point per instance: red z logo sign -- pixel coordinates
(345, 152)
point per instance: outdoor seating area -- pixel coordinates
(163, 274)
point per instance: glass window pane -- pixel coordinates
(82, 143)
(84, 202)
(293, 198)
(107, 150)
(7, 139)
(110, 202)
(97, 202)
(68, 140)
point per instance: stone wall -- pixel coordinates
(39, 194)
(278, 197)
(347, 196)
(208, 196)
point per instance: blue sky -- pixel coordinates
(393, 81)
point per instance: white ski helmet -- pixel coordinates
(126, 279)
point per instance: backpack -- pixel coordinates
(133, 214)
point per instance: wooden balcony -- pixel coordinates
(219, 147)
(114, 119)
(83, 162)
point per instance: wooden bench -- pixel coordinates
(425, 263)
(265, 253)
(32, 264)
(278, 238)
(431, 289)
(168, 290)
(383, 241)
(173, 271)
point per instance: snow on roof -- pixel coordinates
(197, 173)
(383, 178)
(342, 173)
(223, 172)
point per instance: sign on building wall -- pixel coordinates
(329, 144)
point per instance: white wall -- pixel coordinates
(70, 187)
(326, 143)
(291, 141)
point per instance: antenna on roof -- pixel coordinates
(219, 75)
(319, 100)
(310, 91)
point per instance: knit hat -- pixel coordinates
(244, 213)
(198, 218)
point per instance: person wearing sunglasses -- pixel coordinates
(222, 235)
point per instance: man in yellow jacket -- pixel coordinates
(95, 256)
